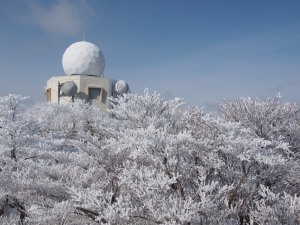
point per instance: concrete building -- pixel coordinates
(84, 63)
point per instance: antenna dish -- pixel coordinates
(69, 88)
(121, 87)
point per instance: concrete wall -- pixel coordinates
(83, 83)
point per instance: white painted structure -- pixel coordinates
(83, 63)
(83, 58)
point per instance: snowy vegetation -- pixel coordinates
(152, 162)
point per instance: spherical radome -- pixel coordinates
(83, 58)
(69, 88)
(121, 86)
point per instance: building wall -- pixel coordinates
(95, 90)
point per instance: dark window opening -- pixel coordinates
(95, 93)
(48, 94)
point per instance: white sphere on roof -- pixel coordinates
(83, 58)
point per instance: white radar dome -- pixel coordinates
(121, 86)
(83, 58)
(69, 88)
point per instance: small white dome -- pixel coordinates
(121, 87)
(83, 58)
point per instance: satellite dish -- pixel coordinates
(121, 87)
(69, 88)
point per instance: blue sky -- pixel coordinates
(202, 51)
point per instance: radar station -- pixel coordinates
(83, 64)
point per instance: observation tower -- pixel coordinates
(83, 64)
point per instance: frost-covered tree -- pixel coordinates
(277, 123)
(153, 161)
(157, 180)
(71, 138)
(234, 156)
(51, 153)
(280, 208)
(15, 139)
(268, 118)
(181, 166)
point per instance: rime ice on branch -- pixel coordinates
(152, 162)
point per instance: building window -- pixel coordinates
(95, 93)
(48, 94)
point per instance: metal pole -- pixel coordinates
(58, 92)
